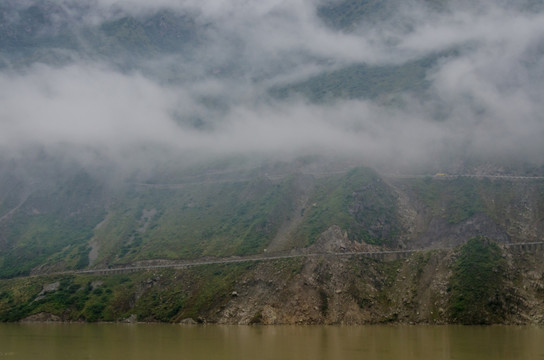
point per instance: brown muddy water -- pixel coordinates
(160, 341)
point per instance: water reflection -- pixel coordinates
(154, 341)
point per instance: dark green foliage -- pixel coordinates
(359, 202)
(372, 274)
(257, 318)
(94, 311)
(477, 283)
(324, 298)
(189, 220)
(56, 221)
(166, 295)
(362, 299)
(83, 257)
(218, 219)
(86, 298)
(214, 288)
(174, 296)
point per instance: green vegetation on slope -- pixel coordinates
(224, 218)
(195, 220)
(220, 215)
(506, 202)
(359, 202)
(478, 283)
(482, 289)
(165, 295)
(59, 223)
(212, 216)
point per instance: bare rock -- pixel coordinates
(188, 321)
(41, 317)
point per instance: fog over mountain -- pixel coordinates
(297, 136)
(129, 81)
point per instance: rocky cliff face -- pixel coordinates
(439, 213)
(358, 290)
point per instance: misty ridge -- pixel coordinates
(422, 84)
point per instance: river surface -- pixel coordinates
(160, 341)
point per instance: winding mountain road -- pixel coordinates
(164, 264)
(277, 177)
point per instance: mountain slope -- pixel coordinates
(83, 221)
(428, 287)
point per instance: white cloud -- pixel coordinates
(489, 90)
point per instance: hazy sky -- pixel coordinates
(485, 99)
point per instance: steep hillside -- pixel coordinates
(85, 222)
(446, 212)
(73, 220)
(478, 283)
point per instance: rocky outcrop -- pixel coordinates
(441, 233)
(42, 317)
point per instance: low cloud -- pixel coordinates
(485, 94)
